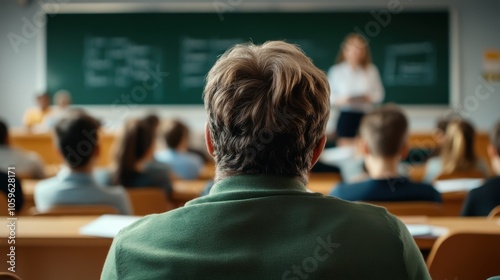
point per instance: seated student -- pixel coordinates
(62, 102)
(456, 153)
(481, 201)
(15, 188)
(76, 137)
(34, 118)
(259, 221)
(133, 165)
(184, 164)
(27, 164)
(384, 136)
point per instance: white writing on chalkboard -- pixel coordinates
(198, 56)
(411, 64)
(116, 62)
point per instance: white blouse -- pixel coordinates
(348, 82)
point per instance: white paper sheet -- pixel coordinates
(457, 185)
(107, 225)
(426, 230)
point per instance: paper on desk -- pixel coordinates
(107, 225)
(426, 230)
(337, 155)
(457, 185)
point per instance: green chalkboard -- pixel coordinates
(162, 58)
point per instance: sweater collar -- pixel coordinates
(258, 182)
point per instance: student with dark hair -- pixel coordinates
(184, 164)
(27, 164)
(456, 152)
(133, 165)
(77, 139)
(383, 142)
(482, 200)
(259, 221)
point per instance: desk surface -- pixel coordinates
(44, 230)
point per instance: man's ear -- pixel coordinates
(208, 141)
(318, 150)
(363, 147)
(405, 150)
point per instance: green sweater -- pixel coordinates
(266, 227)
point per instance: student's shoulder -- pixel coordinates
(355, 185)
(490, 187)
(47, 184)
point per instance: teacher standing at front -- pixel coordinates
(355, 87)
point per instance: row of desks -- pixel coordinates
(52, 248)
(185, 190)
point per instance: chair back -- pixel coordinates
(471, 256)
(148, 200)
(495, 213)
(76, 210)
(411, 208)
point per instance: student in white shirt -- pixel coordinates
(355, 86)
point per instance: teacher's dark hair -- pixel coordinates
(267, 107)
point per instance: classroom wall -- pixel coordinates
(22, 73)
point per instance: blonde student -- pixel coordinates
(456, 152)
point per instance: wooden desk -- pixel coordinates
(44, 146)
(51, 247)
(186, 190)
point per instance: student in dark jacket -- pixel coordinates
(481, 201)
(384, 134)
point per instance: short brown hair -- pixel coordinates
(174, 132)
(384, 130)
(267, 109)
(495, 137)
